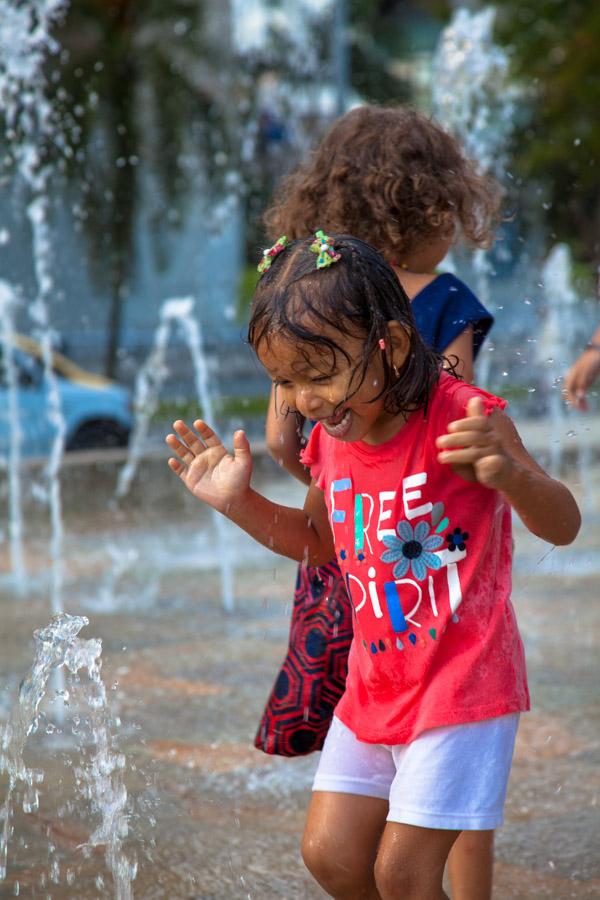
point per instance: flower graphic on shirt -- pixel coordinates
(412, 550)
(457, 539)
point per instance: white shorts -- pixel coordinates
(453, 777)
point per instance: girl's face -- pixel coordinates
(307, 383)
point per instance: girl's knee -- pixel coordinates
(337, 871)
(410, 862)
(393, 881)
(404, 882)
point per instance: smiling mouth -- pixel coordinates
(338, 424)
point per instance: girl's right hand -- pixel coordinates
(208, 471)
(581, 376)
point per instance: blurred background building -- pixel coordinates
(175, 118)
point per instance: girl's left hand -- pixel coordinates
(476, 449)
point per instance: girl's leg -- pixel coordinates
(340, 843)
(410, 863)
(470, 866)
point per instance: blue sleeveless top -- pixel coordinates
(444, 308)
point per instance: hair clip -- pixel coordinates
(382, 343)
(270, 253)
(323, 245)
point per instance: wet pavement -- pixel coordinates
(212, 818)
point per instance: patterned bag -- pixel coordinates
(313, 675)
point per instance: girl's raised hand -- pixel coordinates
(476, 448)
(213, 475)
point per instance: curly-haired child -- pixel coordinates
(397, 180)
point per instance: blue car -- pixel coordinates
(97, 411)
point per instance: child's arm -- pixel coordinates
(284, 440)
(582, 374)
(461, 349)
(488, 449)
(222, 480)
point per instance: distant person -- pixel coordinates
(414, 473)
(583, 373)
(397, 180)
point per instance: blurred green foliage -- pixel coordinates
(225, 407)
(248, 280)
(554, 46)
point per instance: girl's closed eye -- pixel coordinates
(321, 379)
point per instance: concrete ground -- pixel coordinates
(210, 817)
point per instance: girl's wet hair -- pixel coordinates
(394, 178)
(355, 297)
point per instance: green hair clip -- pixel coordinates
(323, 245)
(271, 252)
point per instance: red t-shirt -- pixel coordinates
(427, 560)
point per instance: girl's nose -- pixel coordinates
(307, 402)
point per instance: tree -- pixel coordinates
(161, 85)
(557, 143)
(121, 59)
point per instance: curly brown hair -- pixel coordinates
(392, 177)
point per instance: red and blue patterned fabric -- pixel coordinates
(313, 675)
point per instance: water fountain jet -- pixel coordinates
(176, 313)
(101, 783)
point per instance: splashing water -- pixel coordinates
(474, 99)
(8, 304)
(472, 94)
(100, 780)
(176, 312)
(558, 343)
(31, 128)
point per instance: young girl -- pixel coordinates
(413, 475)
(397, 180)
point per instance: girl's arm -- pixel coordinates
(488, 449)
(284, 440)
(582, 374)
(222, 480)
(462, 348)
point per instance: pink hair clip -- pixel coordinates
(382, 343)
